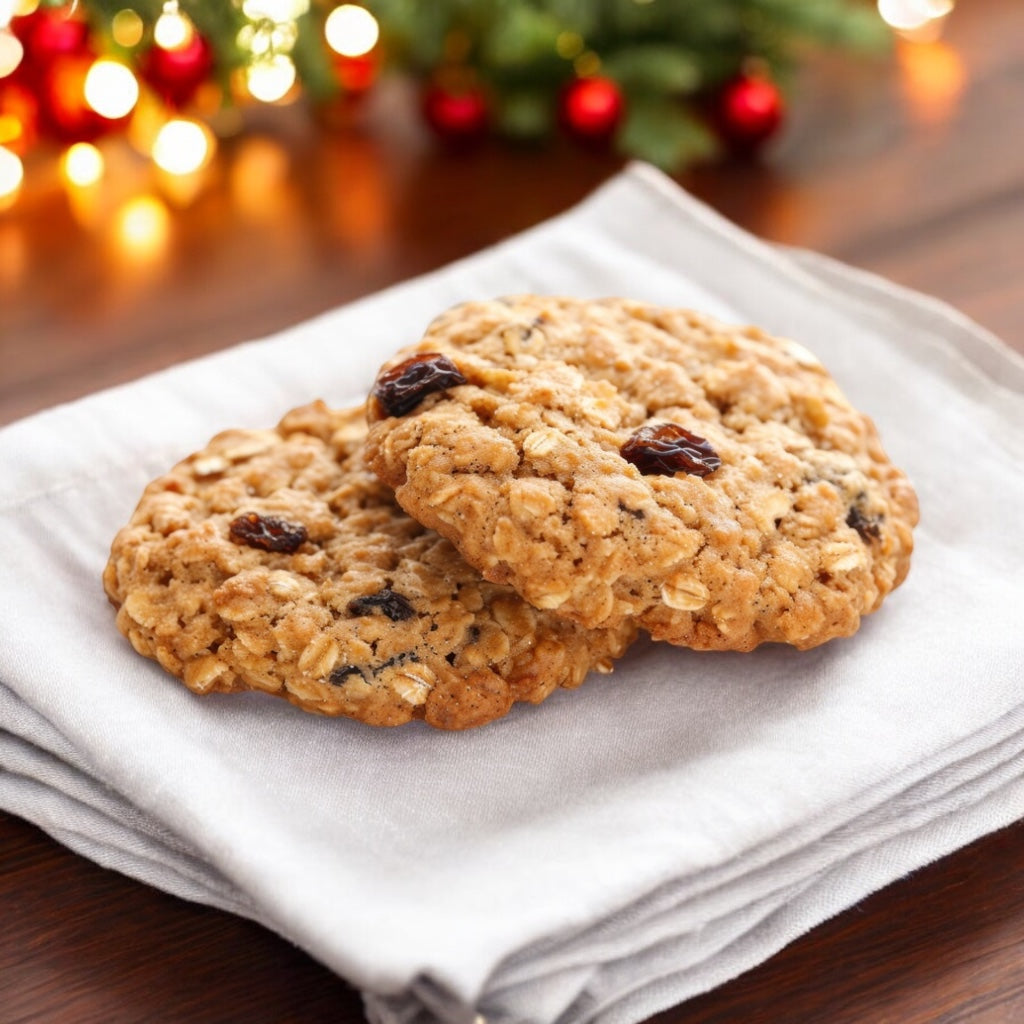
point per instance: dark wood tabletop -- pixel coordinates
(912, 168)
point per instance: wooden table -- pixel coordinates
(913, 170)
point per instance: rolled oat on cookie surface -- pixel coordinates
(616, 461)
(274, 560)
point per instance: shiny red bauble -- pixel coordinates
(59, 52)
(591, 109)
(750, 111)
(457, 115)
(50, 33)
(177, 74)
(355, 75)
(63, 112)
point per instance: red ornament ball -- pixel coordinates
(50, 33)
(177, 74)
(458, 115)
(355, 74)
(59, 52)
(750, 111)
(64, 114)
(591, 109)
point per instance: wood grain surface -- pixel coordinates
(912, 168)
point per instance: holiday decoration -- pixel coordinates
(919, 20)
(749, 112)
(591, 108)
(48, 34)
(176, 72)
(457, 113)
(56, 59)
(351, 33)
(669, 81)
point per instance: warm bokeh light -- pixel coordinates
(257, 42)
(111, 89)
(12, 173)
(569, 45)
(15, 8)
(351, 30)
(259, 179)
(172, 31)
(142, 226)
(11, 129)
(82, 164)
(127, 28)
(270, 80)
(916, 19)
(933, 79)
(11, 52)
(18, 115)
(278, 11)
(182, 146)
(264, 39)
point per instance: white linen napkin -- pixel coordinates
(618, 848)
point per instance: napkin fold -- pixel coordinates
(619, 848)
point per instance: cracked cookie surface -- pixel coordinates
(616, 461)
(274, 560)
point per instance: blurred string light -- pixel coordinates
(124, 90)
(919, 20)
(111, 89)
(270, 77)
(142, 226)
(173, 30)
(10, 9)
(351, 31)
(182, 146)
(11, 52)
(932, 76)
(12, 173)
(82, 164)
(269, 38)
(12, 170)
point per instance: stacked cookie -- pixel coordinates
(529, 486)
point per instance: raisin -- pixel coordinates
(339, 676)
(394, 606)
(668, 448)
(400, 389)
(269, 533)
(866, 526)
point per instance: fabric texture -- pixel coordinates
(619, 848)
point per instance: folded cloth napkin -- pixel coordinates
(621, 847)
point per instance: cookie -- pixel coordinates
(615, 461)
(274, 560)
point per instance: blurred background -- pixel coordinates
(179, 176)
